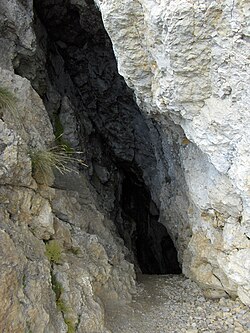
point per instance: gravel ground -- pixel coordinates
(174, 304)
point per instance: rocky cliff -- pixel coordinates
(61, 259)
(167, 171)
(188, 63)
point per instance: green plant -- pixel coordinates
(7, 99)
(58, 127)
(45, 160)
(70, 324)
(53, 251)
(28, 329)
(24, 283)
(58, 290)
(61, 306)
(59, 131)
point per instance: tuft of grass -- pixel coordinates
(7, 99)
(58, 290)
(70, 324)
(53, 251)
(57, 287)
(58, 157)
(61, 306)
(28, 329)
(24, 283)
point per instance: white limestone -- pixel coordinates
(188, 64)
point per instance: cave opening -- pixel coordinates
(147, 238)
(80, 64)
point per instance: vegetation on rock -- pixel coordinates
(60, 303)
(7, 99)
(53, 251)
(47, 159)
(71, 326)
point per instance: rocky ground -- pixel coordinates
(174, 304)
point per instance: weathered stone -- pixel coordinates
(27, 301)
(187, 64)
(33, 213)
(42, 223)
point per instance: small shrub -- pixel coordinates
(53, 251)
(7, 99)
(45, 160)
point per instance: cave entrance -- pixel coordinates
(149, 240)
(80, 66)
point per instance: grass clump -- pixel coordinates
(53, 251)
(58, 290)
(71, 326)
(61, 306)
(44, 161)
(7, 99)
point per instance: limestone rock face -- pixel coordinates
(60, 258)
(17, 34)
(188, 64)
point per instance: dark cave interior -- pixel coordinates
(151, 243)
(80, 63)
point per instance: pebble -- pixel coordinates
(174, 304)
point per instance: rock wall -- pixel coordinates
(188, 64)
(61, 260)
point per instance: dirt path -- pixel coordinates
(174, 304)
